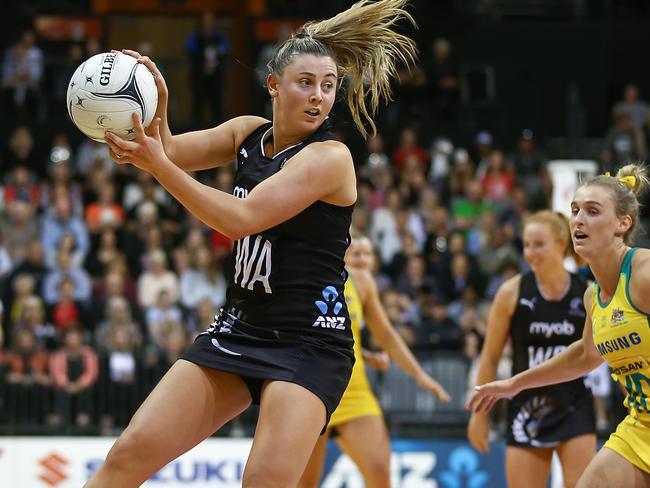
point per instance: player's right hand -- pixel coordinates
(485, 396)
(478, 432)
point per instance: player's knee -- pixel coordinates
(379, 471)
(125, 453)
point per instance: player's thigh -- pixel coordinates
(609, 469)
(528, 467)
(367, 441)
(314, 470)
(290, 420)
(575, 455)
(189, 404)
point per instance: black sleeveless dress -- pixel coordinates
(540, 329)
(285, 316)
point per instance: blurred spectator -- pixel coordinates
(119, 371)
(32, 266)
(158, 315)
(27, 379)
(68, 245)
(21, 185)
(33, 319)
(623, 142)
(105, 251)
(633, 106)
(69, 312)
(61, 184)
(443, 82)
(118, 316)
(414, 277)
(22, 72)
(461, 175)
(201, 317)
(408, 146)
(65, 269)
(499, 179)
(59, 222)
(400, 259)
(23, 285)
(482, 149)
(104, 212)
(203, 280)
(155, 279)
(461, 275)
(527, 160)
(117, 283)
(529, 164)
(19, 228)
(383, 227)
(74, 369)
(441, 152)
(496, 251)
(207, 49)
(468, 208)
(436, 331)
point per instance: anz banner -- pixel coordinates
(425, 464)
(67, 462)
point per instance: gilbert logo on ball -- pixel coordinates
(105, 90)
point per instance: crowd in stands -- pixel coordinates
(104, 278)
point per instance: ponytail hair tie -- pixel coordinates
(629, 181)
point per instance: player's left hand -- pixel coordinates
(426, 382)
(379, 360)
(145, 151)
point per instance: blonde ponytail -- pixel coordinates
(366, 48)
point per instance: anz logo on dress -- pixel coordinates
(252, 257)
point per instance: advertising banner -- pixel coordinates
(67, 462)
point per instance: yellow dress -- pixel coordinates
(621, 334)
(358, 399)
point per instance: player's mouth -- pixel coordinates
(313, 112)
(579, 236)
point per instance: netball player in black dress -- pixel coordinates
(283, 338)
(542, 312)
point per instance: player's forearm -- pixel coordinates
(399, 352)
(570, 364)
(217, 209)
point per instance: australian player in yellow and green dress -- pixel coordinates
(604, 220)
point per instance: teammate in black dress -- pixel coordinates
(283, 338)
(542, 312)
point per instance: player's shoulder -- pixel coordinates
(328, 161)
(244, 125)
(510, 286)
(641, 259)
